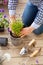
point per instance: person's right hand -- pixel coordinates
(26, 31)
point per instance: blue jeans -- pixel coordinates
(29, 15)
(39, 30)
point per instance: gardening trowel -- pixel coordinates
(25, 49)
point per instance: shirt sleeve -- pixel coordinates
(12, 4)
(39, 17)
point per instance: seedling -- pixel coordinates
(16, 27)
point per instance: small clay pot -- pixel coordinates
(16, 41)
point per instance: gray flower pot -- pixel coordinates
(16, 41)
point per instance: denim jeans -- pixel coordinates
(29, 15)
(39, 30)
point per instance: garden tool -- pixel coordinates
(35, 52)
(25, 49)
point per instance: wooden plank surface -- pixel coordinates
(25, 60)
(16, 59)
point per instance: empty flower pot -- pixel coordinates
(2, 29)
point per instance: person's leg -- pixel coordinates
(39, 30)
(29, 14)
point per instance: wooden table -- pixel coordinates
(16, 59)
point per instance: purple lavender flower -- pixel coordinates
(37, 61)
(5, 16)
(9, 30)
(2, 10)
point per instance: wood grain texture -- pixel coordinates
(16, 59)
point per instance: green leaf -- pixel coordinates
(16, 27)
(1, 15)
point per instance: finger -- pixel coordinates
(21, 33)
(22, 36)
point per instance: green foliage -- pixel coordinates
(16, 27)
(5, 22)
(1, 15)
(1, 24)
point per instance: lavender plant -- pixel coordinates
(3, 20)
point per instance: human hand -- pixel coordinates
(26, 31)
(12, 18)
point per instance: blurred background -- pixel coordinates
(19, 9)
(4, 6)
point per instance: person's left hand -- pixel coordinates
(26, 31)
